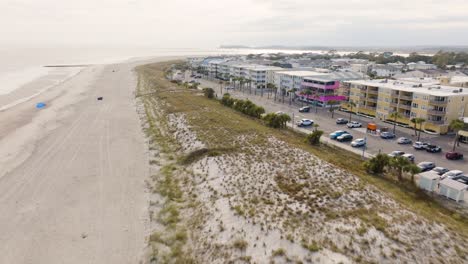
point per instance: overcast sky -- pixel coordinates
(210, 23)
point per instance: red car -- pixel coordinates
(454, 155)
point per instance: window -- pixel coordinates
(423, 107)
(413, 114)
(415, 105)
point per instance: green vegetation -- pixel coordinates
(397, 165)
(314, 137)
(244, 106)
(377, 164)
(208, 92)
(276, 120)
(456, 125)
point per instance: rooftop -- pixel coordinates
(412, 87)
(302, 73)
(453, 184)
(431, 175)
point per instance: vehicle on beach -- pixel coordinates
(341, 121)
(387, 135)
(404, 141)
(419, 145)
(304, 109)
(440, 170)
(345, 137)
(426, 166)
(396, 153)
(452, 155)
(304, 123)
(409, 156)
(433, 149)
(354, 124)
(452, 174)
(358, 142)
(337, 133)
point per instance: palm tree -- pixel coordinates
(456, 125)
(316, 126)
(400, 165)
(395, 116)
(420, 121)
(283, 93)
(413, 120)
(351, 105)
(271, 86)
(332, 104)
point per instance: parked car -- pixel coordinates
(452, 155)
(304, 123)
(387, 135)
(451, 174)
(404, 141)
(440, 170)
(396, 153)
(426, 166)
(229, 88)
(354, 124)
(418, 145)
(341, 121)
(345, 137)
(433, 148)
(358, 142)
(337, 133)
(305, 109)
(409, 156)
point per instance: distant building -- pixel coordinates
(434, 73)
(383, 70)
(421, 65)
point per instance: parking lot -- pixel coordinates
(375, 144)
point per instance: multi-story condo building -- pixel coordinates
(292, 80)
(437, 104)
(421, 65)
(258, 75)
(320, 90)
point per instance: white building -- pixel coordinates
(429, 180)
(289, 80)
(453, 189)
(383, 70)
(421, 65)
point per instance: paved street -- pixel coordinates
(374, 143)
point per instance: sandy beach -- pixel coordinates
(72, 175)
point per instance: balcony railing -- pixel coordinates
(404, 106)
(438, 102)
(436, 122)
(370, 99)
(373, 91)
(405, 97)
(436, 112)
(368, 107)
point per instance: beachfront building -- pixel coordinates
(292, 80)
(257, 76)
(437, 104)
(320, 90)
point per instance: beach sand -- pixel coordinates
(72, 175)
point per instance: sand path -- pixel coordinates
(80, 196)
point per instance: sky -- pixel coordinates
(210, 23)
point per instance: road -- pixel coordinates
(374, 143)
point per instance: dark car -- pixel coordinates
(426, 166)
(433, 148)
(345, 137)
(341, 121)
(387, 135)
(452, 155)
(305, 109)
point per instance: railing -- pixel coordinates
(438, 102)
(436, 122)
(404, 106)
(373, 91)
(408, 98)
(372, 99)
(436, 112)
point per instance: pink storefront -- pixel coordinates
(321, 90)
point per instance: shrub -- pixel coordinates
(377, 164)
(276, 121)
(314, 137)
(240, 244)
(243, 106)
(208, 92)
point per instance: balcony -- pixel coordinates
(438, 102)
(436, 112)
(368, 107)
(321, 86)
(435, 122)
(373, 91)
(405, 106)
(406, 97)
(394, 104)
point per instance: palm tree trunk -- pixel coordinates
(455, 142)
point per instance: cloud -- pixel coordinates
(208, 23)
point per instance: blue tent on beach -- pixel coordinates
(40, 105)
